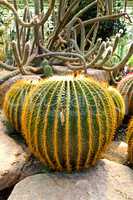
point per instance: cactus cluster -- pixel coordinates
(68, 122)
(14, 99)
(125, 87)
(119, 104)
(130, 141)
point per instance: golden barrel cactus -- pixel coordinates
(129, 138)
(68, 122)
(119, 104)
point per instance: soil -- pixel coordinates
(4, 194)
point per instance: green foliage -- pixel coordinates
(107, 28)
(130, 62)
(119, 104)
(68, 122)
(47, 69)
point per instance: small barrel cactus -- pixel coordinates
(125, 87)
(119, 104)
(6, 85)
(68, 122)
(14, 99)
(130, 141)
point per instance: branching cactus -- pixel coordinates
(68, 122)
(130, 141)
(119, 103)
(14, 99)
(125, 87)
(73, 42)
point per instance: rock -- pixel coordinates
(106, 181)
(15, 162)
(117, 151)
(99, 75)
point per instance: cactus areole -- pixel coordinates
(68, 122)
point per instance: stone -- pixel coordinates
(98, 75)
(16, 162)
(117, 151)
(105, 181)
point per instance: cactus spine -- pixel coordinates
(13, 102)
(119, 103)
(130, 141)
(125, 87)
(68, 122)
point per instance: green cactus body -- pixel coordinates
(13, 101)
(119, 104)
(129, 136)
(125, 87)
(6, 85)
(68, 122)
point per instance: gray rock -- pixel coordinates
(117, 151)
(106, 181)
(16, 162)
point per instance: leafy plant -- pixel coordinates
(130, 62)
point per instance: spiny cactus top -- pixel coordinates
(125, 87)
(129, 137)
(68, 122)
(119, 103)
(14, 99)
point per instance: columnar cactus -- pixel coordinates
(130, 141)
(13, 101)
(119, 103)
(125, 87)
(68, 122)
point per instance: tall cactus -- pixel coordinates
(125, 87)
(119, 103)
(13, 101)
(68, 122)
(130, 141)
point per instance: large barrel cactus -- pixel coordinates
(14, 99)
(125, 87)
(130, 141)
(68, 122)
(119, 104)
